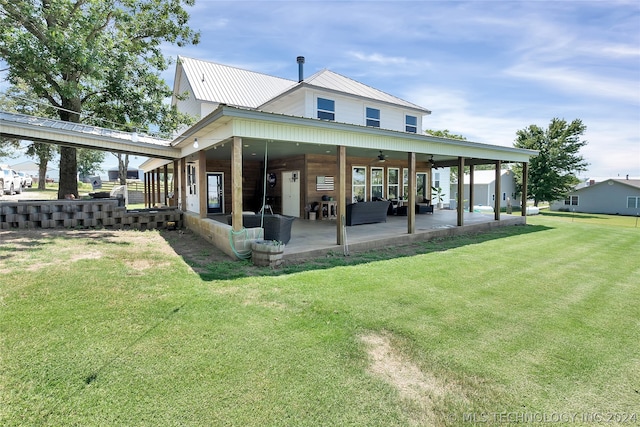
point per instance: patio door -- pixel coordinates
(422, 187)
(215, 192)
(291, 193)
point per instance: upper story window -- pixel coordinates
(373, 117)
(411, 124)
(326, 109)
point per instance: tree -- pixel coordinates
(95, 59)
(89, 161)
(444, 134)
(552, 173)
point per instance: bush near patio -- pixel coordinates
(110, 328)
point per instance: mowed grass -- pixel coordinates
(542, 319)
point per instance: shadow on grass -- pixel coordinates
(569, 215)
(15, 242)
(211, 264)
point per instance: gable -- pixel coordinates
(223, 84)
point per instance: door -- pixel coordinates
(215, 192)
(291, 193)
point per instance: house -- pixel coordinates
(484, 186)
(615, 196)
(263, 141)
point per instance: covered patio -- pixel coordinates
(311, 239)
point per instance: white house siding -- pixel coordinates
(484, 188)
(191, 105)
(608, 197)
(292, 105)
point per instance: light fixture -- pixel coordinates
(195, 143)
(381, 157)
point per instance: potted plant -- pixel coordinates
(267, 253)
(438, 195)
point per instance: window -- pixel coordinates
(377, 182)
(191, 178)
(436, 180)
(373, 117)
(393, 181)
(359, 183)
(422, 192)
(405, 182)
(633, 202)
(571, 200)
(411, 124)
(326, 109)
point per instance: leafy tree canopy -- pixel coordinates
(96, 61)
(444, 134)
(552, 173)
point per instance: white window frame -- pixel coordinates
(635, 199)
(363, 185)
(569, 200)
(320, 111)
(411, 128)
(405, 182)
(380, 185)
(370, 120)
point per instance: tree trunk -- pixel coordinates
(123, 167)
(42, 175)
(68, 185)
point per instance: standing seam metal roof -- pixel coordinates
(223, 84)
(213, 82)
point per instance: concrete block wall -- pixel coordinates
(94, 213)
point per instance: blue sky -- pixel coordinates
(484, 68)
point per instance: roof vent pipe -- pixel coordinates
(300, 60)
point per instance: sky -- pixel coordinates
(485, 69)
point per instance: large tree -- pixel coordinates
(552, 173)
(95, 60)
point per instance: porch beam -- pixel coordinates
(158, 197)
(461, 192)
(146, 189)
(341, 153)
(411, 199)
(176, 181)
(497, 191)
(236, 183)
(202, 182)
(523, 203)
(152, 178)
(472, 183)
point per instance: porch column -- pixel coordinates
(166, 185)
(202, 182)
(236, 183)
(158, 197)
(471, 187)
(461, 192)
(176, 183)
(525, 173)
(498, 192)
(341, 152)
(182, 173)
(152, 178)
(146, 190)
(411, 199)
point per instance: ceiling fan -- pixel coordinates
(381, 157)
(432, 163)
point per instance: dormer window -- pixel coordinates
(373, 117)
(326, 109)
(411, 124)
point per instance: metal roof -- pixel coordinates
(327, 79)
(13, 125)
(224, 84)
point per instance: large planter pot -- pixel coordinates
(267, 253)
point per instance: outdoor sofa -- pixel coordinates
(367, 212)
(276, 227)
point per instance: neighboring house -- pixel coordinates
(325, 136)
(484, 185)
(616, 196)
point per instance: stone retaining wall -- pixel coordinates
(95, 213)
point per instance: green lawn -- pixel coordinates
(525, 321)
